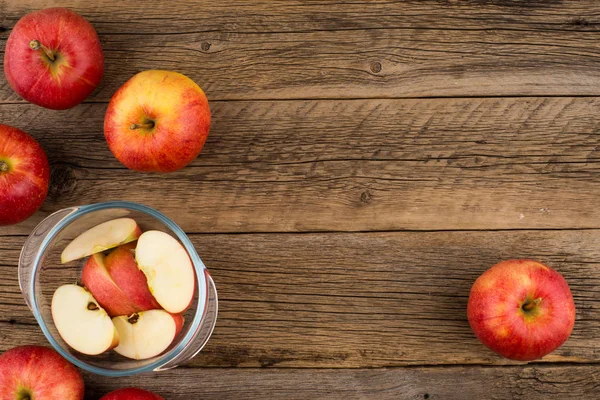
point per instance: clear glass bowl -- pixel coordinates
(41, 273)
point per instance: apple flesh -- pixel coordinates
(53, 58)
(158, 121)
(35, 372)
(521, 309)
(96, 278)
(146, 334)
(168, 270)
(124, 272)
(131, 394)
(102, 237)
(81, 322)
(24, 175)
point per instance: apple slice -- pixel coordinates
(101, 237)
(124, 271)
(81, 322)
(146, 334)
(168, 269)
(96, 278)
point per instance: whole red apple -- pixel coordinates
(24, 175)
(521, 309)
(53, 58)
(157, 121)
(131, 394)
(34, 372)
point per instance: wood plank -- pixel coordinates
(286, 166)
(356, 300)
(291, 50)
(460, 383)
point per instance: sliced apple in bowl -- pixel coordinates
(168, 270)
(81, 322)
(146, 334)
(124, 272)
(100, 238)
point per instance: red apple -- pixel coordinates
(131, 394)
(157, 121)
(96, 278)
(34, 372)
(53, 58)
(124, 272)
(24, 175)
(521, 309)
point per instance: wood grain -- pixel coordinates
(357, 300)
(331, 165)
(292, 50)
(458, 383)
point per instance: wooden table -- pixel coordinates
(367, 161)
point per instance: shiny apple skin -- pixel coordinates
(24, 186)
(77, 69)
(497, 309)
(178, 111)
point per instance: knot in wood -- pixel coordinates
(375, 67)
(205, 46)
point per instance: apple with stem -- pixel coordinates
(38, 373)
(131, 394)
(53, 58)
(104, 236)
(168, 269)
(158, 121)
(81, 322)
(521, 309)
(146, 334)
(24, 175)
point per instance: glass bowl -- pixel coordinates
(41, 273)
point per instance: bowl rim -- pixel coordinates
(201, 284)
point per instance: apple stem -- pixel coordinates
(3, 166)
(528, 306)
(147, 125)
(36, 45)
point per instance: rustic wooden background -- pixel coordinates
(367, 161)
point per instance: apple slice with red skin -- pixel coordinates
(521, 309)
(81, 322)
(168, 270)
(104, 236)
(53, 58)
(124, 271)
(97, 279)
(24, 175)
(36, 372)
(146, 334)
(131, 394)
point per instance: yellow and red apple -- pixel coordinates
(24, 175)
(35, 372)
(521, 309)
(53, 58)
(158, 121)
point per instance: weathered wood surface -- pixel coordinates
(465, 132)
(364, 49)
(359, 300)
(459, 383)
(330, 165)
